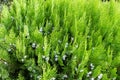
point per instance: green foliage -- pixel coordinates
(60, 39)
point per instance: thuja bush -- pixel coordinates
(60, 40)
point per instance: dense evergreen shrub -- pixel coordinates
(60, 40)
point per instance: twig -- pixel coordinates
(3, 61)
